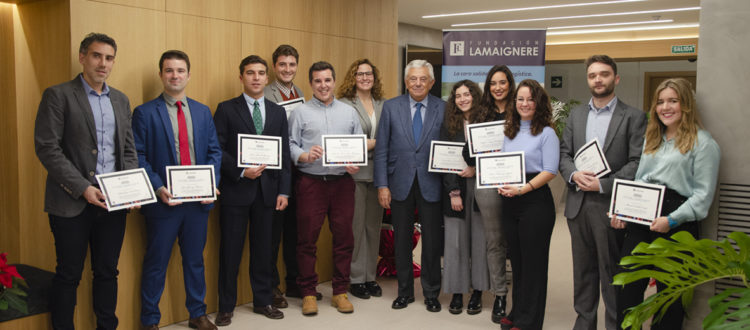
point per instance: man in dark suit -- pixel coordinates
(82, 129)
(170, 130)
(407, 125)
(250, 195)
(619, 129)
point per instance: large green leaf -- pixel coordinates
(683, 263)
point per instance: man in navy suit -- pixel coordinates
(174, 130)
(407, 125)
(250, 195)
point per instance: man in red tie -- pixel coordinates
(174, 130)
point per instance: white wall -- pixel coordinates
(630, 89)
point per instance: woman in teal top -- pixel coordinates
(680, 155)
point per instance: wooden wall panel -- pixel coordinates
(652, 49)
(216, 35)
(9, 217)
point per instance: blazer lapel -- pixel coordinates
(161, 109)
(614, 125)
(579, 135)
(270, 116)
(406, 120)
(364, 117)
(83, 102)
(429, 120)
(197, 132)
(243, 111)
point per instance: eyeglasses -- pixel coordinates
(362, 75)
(423, 79)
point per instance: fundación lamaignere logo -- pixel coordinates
(457, 48)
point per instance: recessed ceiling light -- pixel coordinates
(621, 29)
(531, 8)
(582, 16)
(609, 24)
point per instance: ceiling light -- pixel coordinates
(530, 8)
(635, 28)
(609, 24)
(582, 16)
(616, 40)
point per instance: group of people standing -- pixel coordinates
(84, 127)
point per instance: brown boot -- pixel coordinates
(309, 305)
(342, 304)
(201, 323)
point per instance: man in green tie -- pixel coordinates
(249, 195)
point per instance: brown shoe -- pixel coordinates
(201, 323)
(342, 304)
(150, 327)
(223, 319)
(269, 311)
(278, 299)
(309, 305)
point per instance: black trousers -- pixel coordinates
(528, 221)
(103, 233)
(431, 219)
(234, 222)
(285, 225)
(632, 294)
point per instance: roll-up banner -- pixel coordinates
(469, 54)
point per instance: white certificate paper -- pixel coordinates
(290, 105)
(344, 150)
(257, 150)
(636, 201)
(446, 157)
(590, 158)
(191, 183)
(484, 138)
(125, 189)
(501, 169)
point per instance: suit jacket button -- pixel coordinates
(91, 173)
(93, 151)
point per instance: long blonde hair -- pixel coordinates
(687, 130)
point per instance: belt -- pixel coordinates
(328, 177)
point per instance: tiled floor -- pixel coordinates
(376, 313)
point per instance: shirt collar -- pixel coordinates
(283, 88)
(88, 89)
(609, 107)
(251, 100)
(413, 102)
(320, 103)
(173, 101)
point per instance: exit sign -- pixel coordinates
(683, 49)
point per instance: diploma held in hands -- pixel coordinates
(636, 201)
(590, 158)
(486, 137)
(191, 183)
(345, 150)
(257, 150)
(126, 189)
(290, 105)
(501, 169)
(446, 157)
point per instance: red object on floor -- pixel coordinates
(387, 263)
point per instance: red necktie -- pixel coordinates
(184, 143)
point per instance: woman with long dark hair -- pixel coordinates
(529, 211)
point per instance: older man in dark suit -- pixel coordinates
(407, 125)
(619, 129)
(83, 129)
(250, 195)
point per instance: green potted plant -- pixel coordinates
(682, 264)
(560, 113)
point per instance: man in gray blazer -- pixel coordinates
(619, 129)
(285, 61)
(407, 125)
(83, 129)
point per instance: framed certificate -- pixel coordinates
(343, 150)
(590, 158)
(257, 150)
(290, 105)
(446, 157)
(501, 169)
(636, 201)
(126, 189)
(192, 183)
(484, 138)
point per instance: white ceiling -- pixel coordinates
(411, 12)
